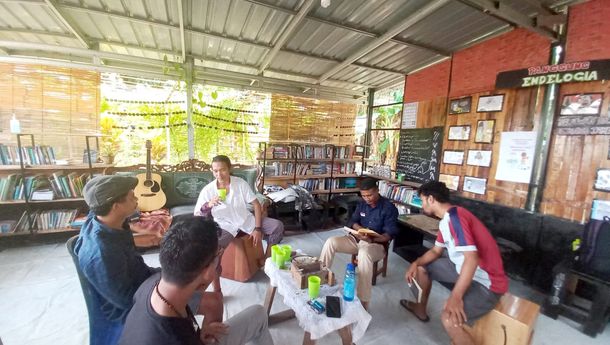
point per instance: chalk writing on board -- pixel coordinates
(418, 153)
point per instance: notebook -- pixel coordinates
(415, 291)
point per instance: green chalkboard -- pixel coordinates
(419, 153)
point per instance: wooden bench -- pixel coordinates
(511, 322)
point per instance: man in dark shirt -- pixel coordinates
(375, 213)
(161, 316)
(107, 255)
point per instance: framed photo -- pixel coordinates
(474, 185)
(481, 158)
(485, 131)
(359, 150)
(460, 105)
(600, 209)
(451, 181)
(453, 157)
(581, 104)
(602, 180)
(459, 132)
(490, 103)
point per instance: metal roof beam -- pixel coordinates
(294, 22)
(181, 5)
(509, 15)
(393, 31)
(400, 41)
(37, 32)
(212, 35)
(67, 22)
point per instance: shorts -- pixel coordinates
(478, 300)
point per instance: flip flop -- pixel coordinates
(405, 304)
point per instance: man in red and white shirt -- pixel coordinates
(465, 255)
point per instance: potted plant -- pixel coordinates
(110, 142)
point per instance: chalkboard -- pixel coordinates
(419, 153)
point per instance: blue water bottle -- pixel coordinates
(349, 283)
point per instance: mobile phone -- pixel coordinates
(333, 306)
(316, 306)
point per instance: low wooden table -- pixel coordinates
(413, 230)
(351, 326)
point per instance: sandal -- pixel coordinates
(405, 304)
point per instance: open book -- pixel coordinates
(362, 231)
(415, 291)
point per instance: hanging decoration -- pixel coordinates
(133, 127)
(141, 102)
(223, 129)
(119, 113)
(231, 109)
(225, 120)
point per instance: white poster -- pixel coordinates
(516, 156)
(409, 115)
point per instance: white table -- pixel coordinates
(351, 325)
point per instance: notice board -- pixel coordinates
(419, 153)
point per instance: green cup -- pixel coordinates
(287, 250)
(313, 286)
(222, 194)
(277, 255)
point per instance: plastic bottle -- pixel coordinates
(557, 288)
(349, 283)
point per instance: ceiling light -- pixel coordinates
(324, 3)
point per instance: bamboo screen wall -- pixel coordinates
(295, 119)
(58, 105)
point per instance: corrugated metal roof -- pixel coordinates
(341, 48)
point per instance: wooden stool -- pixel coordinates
(241, 260)
(384, 267)
(511, 322)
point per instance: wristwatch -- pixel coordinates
(258, 228)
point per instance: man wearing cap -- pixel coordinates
(107, 255)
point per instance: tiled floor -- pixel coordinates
(41, 302)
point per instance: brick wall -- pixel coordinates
(589, 31)
(428, 84)
(475, 68)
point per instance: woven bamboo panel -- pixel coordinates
(296, 119)
(58, 105)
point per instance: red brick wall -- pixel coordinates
(589, 31)
(475, 68)
(428, 84)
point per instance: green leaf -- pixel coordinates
(200, 95)
(214, 95)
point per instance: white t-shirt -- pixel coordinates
(232, 214)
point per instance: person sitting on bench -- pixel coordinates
(226, 199)
(464, 255)
(161, 314)
(375, 213)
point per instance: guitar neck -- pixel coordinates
(148, 168)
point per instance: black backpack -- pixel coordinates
(594, 254)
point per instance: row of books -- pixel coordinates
(32, 155)
(302, 151)
(312, 169)
(312, 184)
(41, 187)
(344, 152)
(397, 192)
(280, 169)
(342, 183)
(41, 220)
(344, 168)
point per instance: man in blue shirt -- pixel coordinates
(375, 213)
(107, 255)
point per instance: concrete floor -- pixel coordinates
(41, 302)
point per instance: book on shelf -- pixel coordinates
(55, 219)
(344, 152)
(312, 184)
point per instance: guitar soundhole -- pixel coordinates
(155, 188)
(149, 183)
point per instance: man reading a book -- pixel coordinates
(464, 255)
(375, 223)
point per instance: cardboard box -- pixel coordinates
(304, 266)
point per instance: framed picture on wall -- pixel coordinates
(474, 185)
(581, 104)
(485, 131)
(490, 103)
(600, 209)
(451, 181)
(459, 132)
(602, 180)
(460, 105)
(481, 158)
(453, 157)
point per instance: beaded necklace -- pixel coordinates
(189, 313)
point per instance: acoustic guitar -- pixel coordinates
(148, 191)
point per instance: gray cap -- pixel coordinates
(103, 189)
